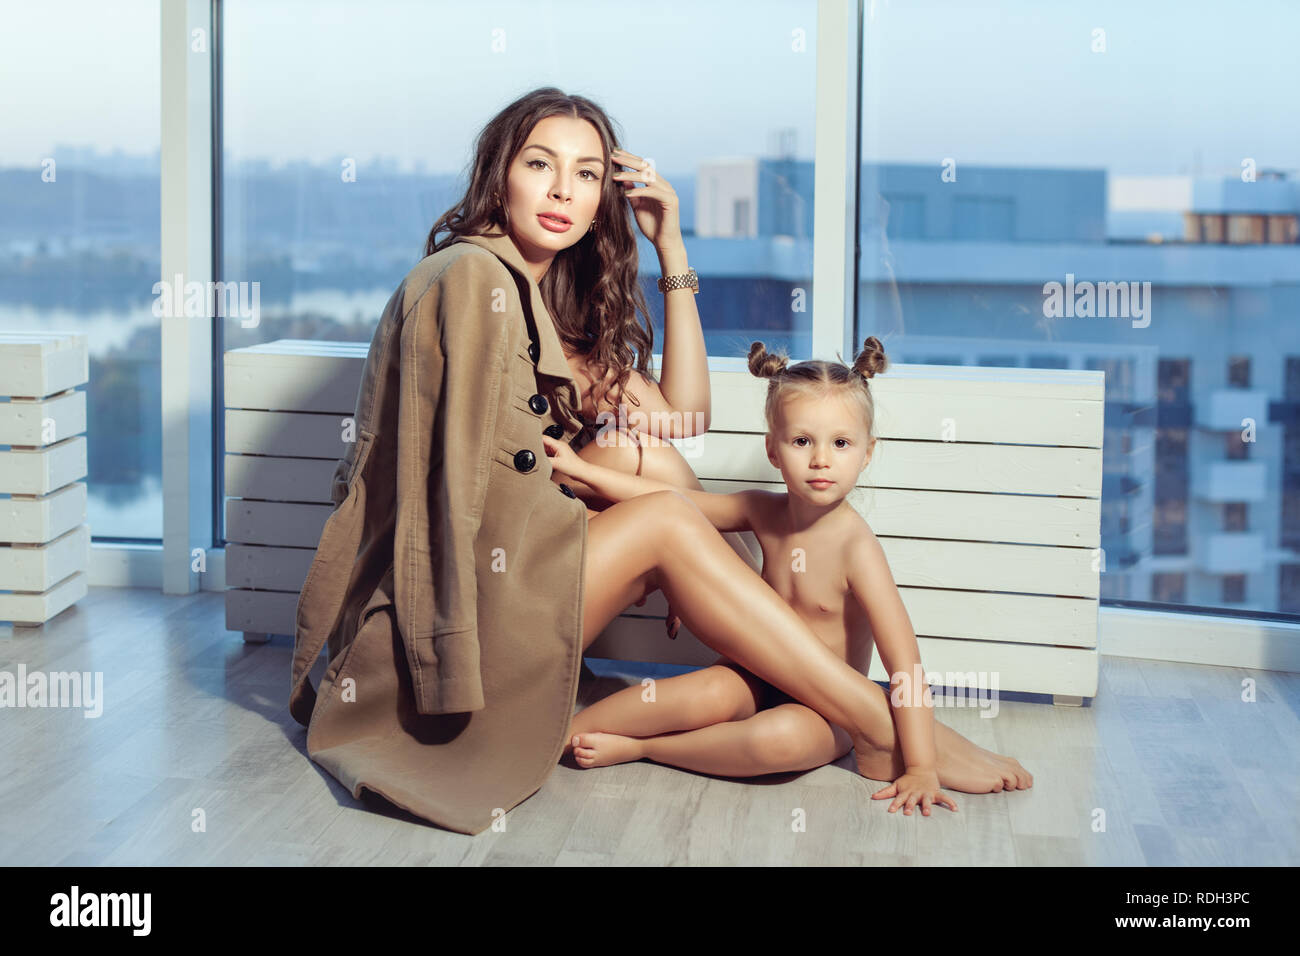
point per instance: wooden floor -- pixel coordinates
(1182, 771)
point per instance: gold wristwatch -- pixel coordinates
(687, 280)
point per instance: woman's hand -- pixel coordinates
(914, 786)
(655, 204)
(562, 457)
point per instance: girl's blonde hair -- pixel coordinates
(818, 378)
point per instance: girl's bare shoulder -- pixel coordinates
(855, 533)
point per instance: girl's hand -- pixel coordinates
(655, 204)
(911, 787)
(562, 457)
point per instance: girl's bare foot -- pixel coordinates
(604, 750)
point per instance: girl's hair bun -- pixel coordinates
(765, 364)
(871, 360)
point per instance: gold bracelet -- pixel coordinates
(686, 280)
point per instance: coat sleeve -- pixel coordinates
(453, 354)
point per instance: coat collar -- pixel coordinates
(551, 360)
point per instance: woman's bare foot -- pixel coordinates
(972, 769)
(604, 750)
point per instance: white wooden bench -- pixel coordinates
(984, 491)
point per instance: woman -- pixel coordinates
(447, 699)
(592, 293)
(585, 263)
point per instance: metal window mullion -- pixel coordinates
(186, 343)
(835, 179)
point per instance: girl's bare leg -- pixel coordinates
(789, 737)
(663, 540)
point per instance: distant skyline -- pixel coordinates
(1180, 85)
(117, 162)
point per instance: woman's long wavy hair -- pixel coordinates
(591, 289)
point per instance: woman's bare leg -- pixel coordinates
(663, 540)
(782, 739)
(688, 701)
(649, 457)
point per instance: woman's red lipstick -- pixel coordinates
(555, 222)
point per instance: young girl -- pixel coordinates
(823, 559)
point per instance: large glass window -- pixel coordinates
(1008, 146)
(79, 227)
(347, 133)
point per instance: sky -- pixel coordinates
(1181, 86)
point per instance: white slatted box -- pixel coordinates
(44, 538)
(286, 404)
(993, 537)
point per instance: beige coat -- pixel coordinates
(448, 582)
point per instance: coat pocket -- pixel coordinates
(378, 602)
(361, 687)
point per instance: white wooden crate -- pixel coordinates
(37, 364)
(44, 538)
(984, 491)
(286, 404)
